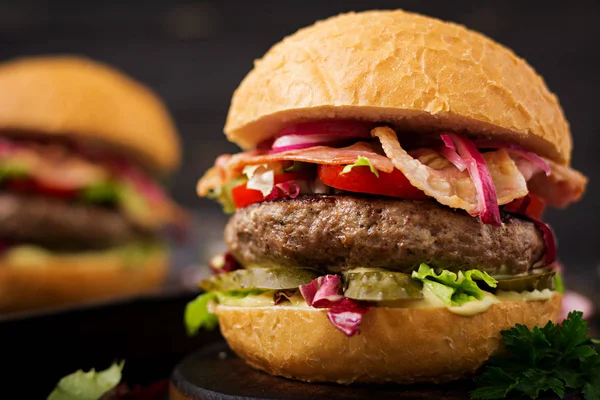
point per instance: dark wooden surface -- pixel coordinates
(215, 373)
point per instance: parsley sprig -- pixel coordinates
(555, 358)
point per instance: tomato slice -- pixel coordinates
(536, 207)
(33, 186)
(531, 205)
(242, 196)
(362, 180)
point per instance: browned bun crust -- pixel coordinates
(68, 279)
(402, 345)
(78, 97)
(418, 73)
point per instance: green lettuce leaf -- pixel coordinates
(89, 385)
(132, 202)
(105, 192)
(197, 314)
(115, 192)
(121, 194)
(112, 192)
(12, 169)
(223, 194)
(361, 162)
(559, 284)
(454, 289)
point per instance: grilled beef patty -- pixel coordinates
(59, 224)
(336, 233)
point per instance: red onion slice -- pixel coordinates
(304, 146)
(336, 128)
(519, 208)
(6, 147)
(549, 238)
(295, 142)
(449, 151)
(309, 134)
(489, 211)
(496, 144)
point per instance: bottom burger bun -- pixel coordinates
(35, 278)
(400, 345)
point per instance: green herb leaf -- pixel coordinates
(542, 360)
(454, 289)
(591, 389)
(89, 385)
(494, 384)
(361, 162)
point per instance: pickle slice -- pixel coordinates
(527, 283)
(259, 278)
(380, 285)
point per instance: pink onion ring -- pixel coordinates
(549, 238)
(449, 151)
(310, 134)
(489, 211)
(496, 144)
(295, 142)
(331, 127)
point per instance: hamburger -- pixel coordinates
(387, 204)
(84, 151)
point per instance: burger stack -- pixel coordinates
(388, 203)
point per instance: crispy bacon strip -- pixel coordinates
(59, 167)
(56, 166)
(561, 188)
(428, 170)
(227, 166)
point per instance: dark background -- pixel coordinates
(194, 54)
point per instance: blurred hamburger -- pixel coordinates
(387, 207)
(84, 150)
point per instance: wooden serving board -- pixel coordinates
(215, 373)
